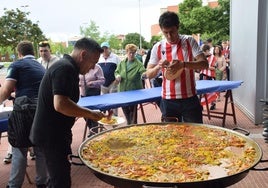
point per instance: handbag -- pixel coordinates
(219, 74)
(91, 91)
(20, 121)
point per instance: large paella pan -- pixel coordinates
(170, 155)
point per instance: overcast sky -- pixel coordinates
(61, 19)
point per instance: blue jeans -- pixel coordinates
(19, 164)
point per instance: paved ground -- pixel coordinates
(82, 177)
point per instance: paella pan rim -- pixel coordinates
(221, 181)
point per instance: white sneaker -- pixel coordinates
(8, 158)
(32, 155)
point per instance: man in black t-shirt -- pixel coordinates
(57, 109)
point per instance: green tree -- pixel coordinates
(5, 52)
(201, 20)
(187, 23)
(222, 15)
(114, 42)
(134, 38)
(155, 39)
(59, 48)
(219, 24)
(209, 22)
(91, 31)
(15, 27)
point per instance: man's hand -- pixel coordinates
(97, 115)
(174, 70)
(118, 79)
(163, 63)
(175, 66)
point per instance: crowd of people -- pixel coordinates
(218, 57)
(93, 69)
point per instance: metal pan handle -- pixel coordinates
(260, 169)
(70, 158)
(246, 132)
(169, 119)
(146, 186)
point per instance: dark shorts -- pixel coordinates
(186, 110)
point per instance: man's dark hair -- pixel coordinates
(88, 44)
(25, 48)
(169, 19)
(209, 40)
(205, 47)
(44, 44)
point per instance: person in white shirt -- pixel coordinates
(108, 62)
(90, 85)
(46, 58)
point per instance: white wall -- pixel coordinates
(248, 55)
(262, 62)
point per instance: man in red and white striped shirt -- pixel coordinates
(177, 56)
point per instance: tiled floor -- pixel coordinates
(83, 178)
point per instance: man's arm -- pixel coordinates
(66, 106)
(175, 69)
(152, 70)
(199, 63)
(6, 90)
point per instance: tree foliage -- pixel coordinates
(114, 42)
(155, 39)
(187, 23)
(91, 31)
(223, 17)
(59, 48)
(16, 27)
(209, 22)
(134, 38)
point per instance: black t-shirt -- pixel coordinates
(51, 128)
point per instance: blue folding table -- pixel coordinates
(121, 99)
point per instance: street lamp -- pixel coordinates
(24, 7)
(140, 22)
(25, 29)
